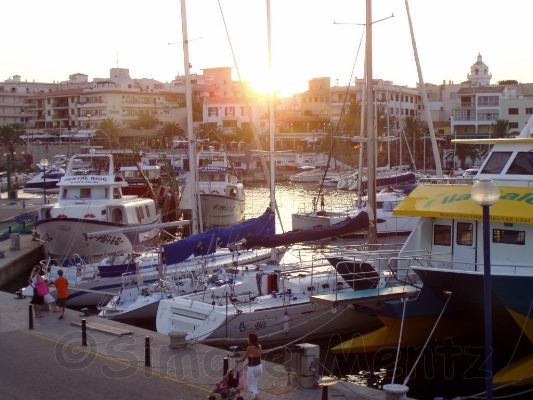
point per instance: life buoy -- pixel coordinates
(62, 216)
(89, 216)
(214, 191)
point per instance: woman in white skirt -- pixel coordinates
(255, 368)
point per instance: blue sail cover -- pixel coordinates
(346, 227)
(207, 242)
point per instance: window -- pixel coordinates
(513, 111)
(442, 235)
(513, 125)
(522, 164)
(496, 162)
(508, 236)
(212, 111)
(230, 111)
(529, 110)
(465, 233)
(85, 193)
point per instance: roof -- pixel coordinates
(482, 89)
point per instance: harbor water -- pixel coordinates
(447, 369)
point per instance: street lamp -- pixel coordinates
(44, 164)
(485, 192)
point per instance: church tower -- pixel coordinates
(479, 73)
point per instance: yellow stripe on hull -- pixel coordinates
(415, 332)
(518, 373)
(523, 322)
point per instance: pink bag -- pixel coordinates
(41, 288)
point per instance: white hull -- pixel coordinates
(221, 325)
(220, 210)
(66, 237)
(142, 302)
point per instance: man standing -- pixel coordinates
(61, 285)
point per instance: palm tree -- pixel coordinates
(412, 129)
(109, 129)
(351, 121)
(499, 128)
(169, 131)
(146, 120)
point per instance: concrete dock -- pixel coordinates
(52, 358)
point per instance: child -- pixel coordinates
(61, 285)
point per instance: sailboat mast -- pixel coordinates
(371, 145)
(193, 170)
(425, 101)
(271, 122)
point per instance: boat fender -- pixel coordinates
(214, 191)
(286, 322)
(202, 192)
(89, 216)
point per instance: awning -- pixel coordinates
(454, 202)
(80, 134)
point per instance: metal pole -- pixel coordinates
(31, 316)
(8, 175)
(488, 301)
(324, 393)
(44, 183)
(84, 332)
(147, 362)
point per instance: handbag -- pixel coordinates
(243, 380)
(41, 288)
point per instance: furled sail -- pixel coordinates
(348, 226)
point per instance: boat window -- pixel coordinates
(496, 162)
(140, 213)
(465, 233)
(522, 164)
(85, 193)
(508, 236)
(442, 235)
(64, 195)
(99, 193)
(116, 193)
(147, 209)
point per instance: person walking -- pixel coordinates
(255, 368)
(61, 284)
(37, 300)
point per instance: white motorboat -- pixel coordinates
(387, 221)
(221, 194)
(272, 301)
(91, 200)
(45, 179)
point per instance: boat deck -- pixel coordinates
(367, 296)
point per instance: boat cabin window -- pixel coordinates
(442, 235)
(508, 236)
(465, 233)
(233, 192)
(522, 164)
(147, 209)
(85, 193)
(140, 213)
(116, 193)
(496, 162)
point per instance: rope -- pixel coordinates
(399, 342)
(427, 341)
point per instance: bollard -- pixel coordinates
(84, 332)
(9, 228)
(226, 366)
(147, 351)
(324, 392)
(31, 317)
(23, 204)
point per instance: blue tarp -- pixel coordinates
(207, 242)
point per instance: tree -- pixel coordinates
(109, 129)
(10, 135)
(412, 129)
(351, 121)
(146, 120)
(499, 128)
(169, 131)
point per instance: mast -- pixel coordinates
(371, 145)
(425, 101)
(193, 170)
(271, 123)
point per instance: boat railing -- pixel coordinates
(459, 180)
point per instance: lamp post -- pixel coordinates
(44, 164)
(485, 192)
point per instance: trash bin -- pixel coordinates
(13, 195)
(15, 241)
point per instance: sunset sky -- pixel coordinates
(48, 41)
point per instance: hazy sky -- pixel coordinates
(50, 40)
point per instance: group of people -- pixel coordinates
(40, 299)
